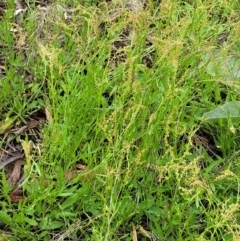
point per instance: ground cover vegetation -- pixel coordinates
(119, 120)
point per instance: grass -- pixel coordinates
(123, 149)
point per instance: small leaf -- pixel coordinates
(66, 214)
(44, 223)
(228, 110)
(4, 125)
(65, 194)
(30, 221)
(54, 225)
(5, 218)
(70, 201)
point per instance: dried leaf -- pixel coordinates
(144, 232)
(88, 176)
(134, 234)
(16, 173)
(17, 156)
(70, 175)
(135, 5)
(81, 166)
(18, 11)
(20, 130)
(48, 115)
(16, 196)
(21, 39)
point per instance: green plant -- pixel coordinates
(137, 121)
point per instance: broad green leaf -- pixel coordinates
(226, 67)
(228, 110)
